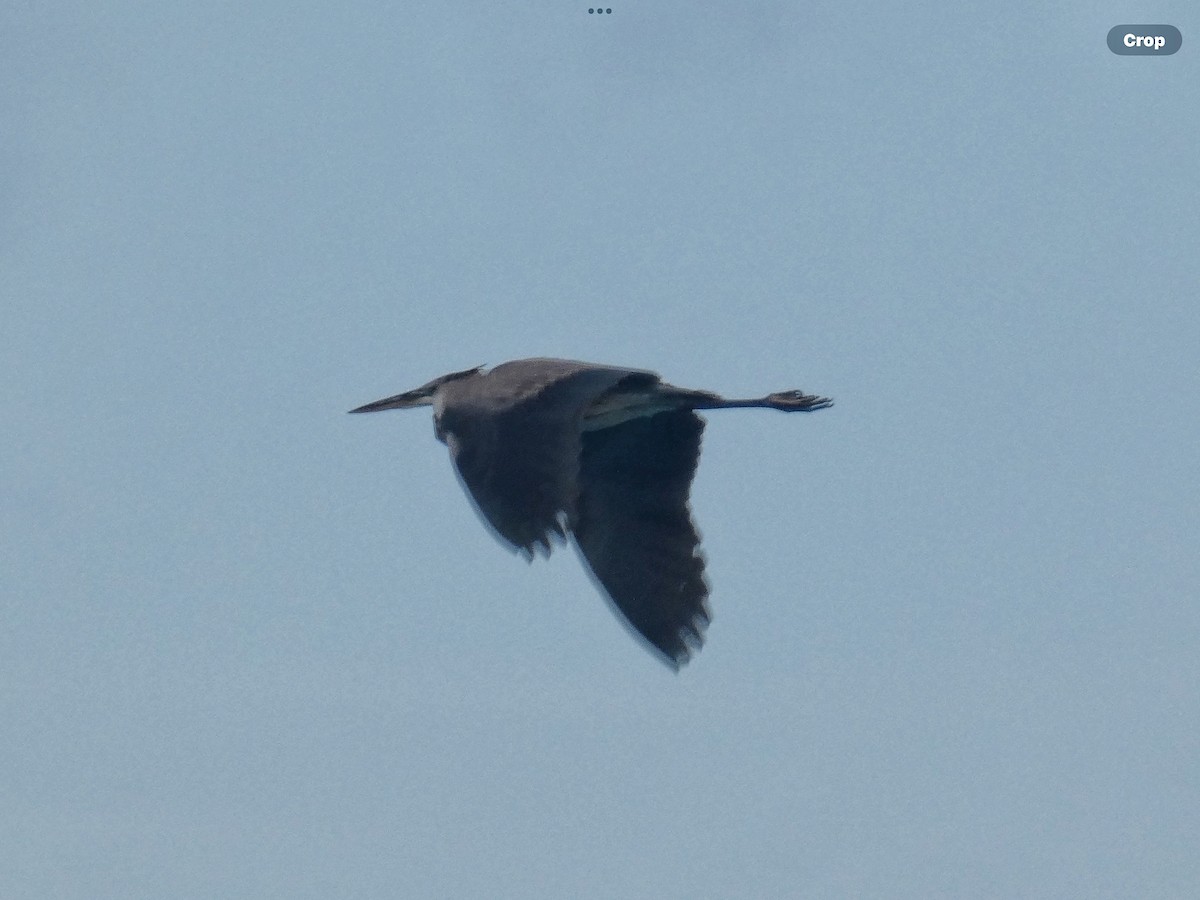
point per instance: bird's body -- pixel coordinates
(549, 449)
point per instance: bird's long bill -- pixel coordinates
(407, 400)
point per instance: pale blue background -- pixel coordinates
(253, 647)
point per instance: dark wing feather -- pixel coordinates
(635, 530)
(514, 437)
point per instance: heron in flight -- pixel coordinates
(551, 448)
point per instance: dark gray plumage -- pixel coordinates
(551, 448)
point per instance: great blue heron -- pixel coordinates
(548, 448)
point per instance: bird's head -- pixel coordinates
(425, 395)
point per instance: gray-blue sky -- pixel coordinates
(254, 647)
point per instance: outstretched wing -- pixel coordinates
(635, 531)
(514, 435)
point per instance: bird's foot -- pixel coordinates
(798, 401)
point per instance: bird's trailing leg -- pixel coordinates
(785, 401)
